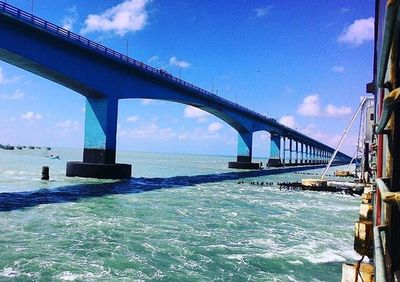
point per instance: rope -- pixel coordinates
(362, 258)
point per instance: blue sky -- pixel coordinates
(304, 63)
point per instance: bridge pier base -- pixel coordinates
(99, 170)
(100, 143)
(244, 149)
(244, 165)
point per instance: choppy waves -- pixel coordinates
(201, 227)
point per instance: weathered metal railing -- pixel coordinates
(379, 253)
(384, 199)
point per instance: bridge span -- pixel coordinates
(105, 76)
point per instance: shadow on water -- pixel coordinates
(17, 200)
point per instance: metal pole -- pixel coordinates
(343, 137)
(352, 159)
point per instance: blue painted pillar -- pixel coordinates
(275, 151)
(283, 150)
(290, 150)
(100, 130)
(100, 143)
(244, 147)
(244, 152)
(297, 152)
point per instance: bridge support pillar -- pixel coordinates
(301, 159)
(100, 143)
(313, 155)
(275, 151)
(244, 152)
(306, 159)
(297, 153)
(290, 151)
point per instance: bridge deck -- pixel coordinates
(39, 23)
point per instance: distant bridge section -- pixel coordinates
(105, 76)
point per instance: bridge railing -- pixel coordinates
(55, 29)
(78, 39)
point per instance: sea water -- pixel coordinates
(180, 218)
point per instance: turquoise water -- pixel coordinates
(181, 218)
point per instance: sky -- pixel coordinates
(304, 63)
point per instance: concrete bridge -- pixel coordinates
(105, 76)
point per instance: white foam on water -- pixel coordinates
(9, 272)
(68, 276)
(295, 262)
(325, 257)
(238, 257)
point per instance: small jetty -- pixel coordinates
(349, 188)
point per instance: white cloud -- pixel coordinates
(68, 124)
(182, 64)
(154, 58)
(288, 120)
(70, 19)
(200, 134)
(132, 118)
(148, 131)
(310, 106)
(262, 11)
(338, 69)
(331, 139)
(130, 15)
(17, 95)
(360, 31)
(31, 116)
(6, 80)
(214, 127)
(193, 112)
(334, 111)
